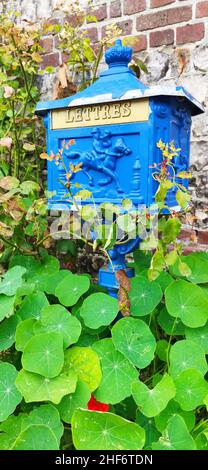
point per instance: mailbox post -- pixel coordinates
(115, 124)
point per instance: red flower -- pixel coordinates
(95, 405)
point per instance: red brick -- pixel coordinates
(65, 57)
(134, 6)
(203, 237)
(47, 44)
(163, 18)
(187, 234)
(161, 38)
(115, 9)
(92, 33)
(100, 13)
(160, 3)
(201, 9)
(75, 19)
(50, 59)
(138, 43)
(190, 33)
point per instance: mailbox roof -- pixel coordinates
(125, 86)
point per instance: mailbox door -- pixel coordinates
(115, 161)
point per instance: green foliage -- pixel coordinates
(153, 401)
(144, 296)
(98, 310)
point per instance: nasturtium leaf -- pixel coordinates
(172, 326)
(199, 336)
(6, 306)
(71, 289)
(12, 279)
(78, 399)
(10, 429)
(188, 302)
(35, 387)
(142, 260)
(32, 305)
(198, 265)
(171, 409)
(36, 437)
(7, 332)
(175, 437)
(133, 338)
(10, 397)
(92, 430)
(30, 263)
(54, 279)
(162, 349)
(85, 363)
(164, 279)
(98, 310)
(57, 318)
(48, 266)
(47, 415)
(25, 289)
(144, 296)
(202, 440)
(153, 401)
(151, 432)
(43, 354)
(87, 340)
(186, 354)
(24, 332)
(118, 373)
(191, 389)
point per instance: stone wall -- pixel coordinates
(171, 36)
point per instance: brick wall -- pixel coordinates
(171, 36)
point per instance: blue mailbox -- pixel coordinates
(115, 124)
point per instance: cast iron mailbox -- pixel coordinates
(115, 124)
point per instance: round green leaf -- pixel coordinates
(36, 437)
(186, 354)
(43, 354)
(12, 280)
(30, 263)
(47, 415)
(85, 363)
(144, 296)
(9, 395)
(78, 399)
(32, 305)
(171, 409)
(24, 332)
(153, 401)
(171, 326)
(34, 387)
(198, 264)
(191, 389)
(134, 340)
(71, 289)
(6, 306)
(162, 349)
(199, 336)
(7, 332)
(53, 280)
(92, 430)
(175, 436)
(117, 373)
(202, 440)
(57, 318)
(98, 310)
(188, 302)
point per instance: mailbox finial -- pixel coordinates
(118, 55)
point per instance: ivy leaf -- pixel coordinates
(32, 305)
(43, 354)
(99, 309)
(175, 436)
(134, 340)
(12, 280)
(71, 289)
(78, 399)
(117, 373)
(10, 397)
(186, 354)
(188, 302)
(24, 332)
(153, 401)
(198, 336)
(57, 318)
(191, 389)
(144, 296)
(34, 387)
(105, 431)
(171, 326)
(172, 409)
(7, 332)
(6, 306)
(85, 363)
